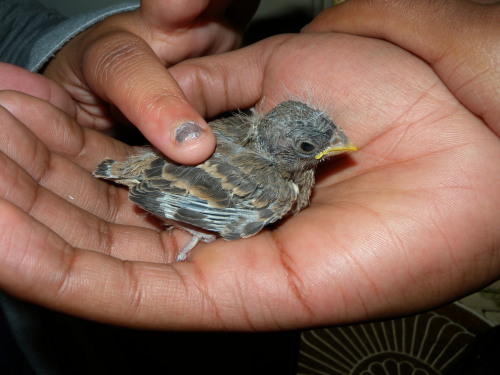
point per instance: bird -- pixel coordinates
(262, 170)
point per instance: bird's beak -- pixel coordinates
(337, 148)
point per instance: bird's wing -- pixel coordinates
(235, 193)
(237, 128)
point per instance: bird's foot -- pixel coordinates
(195, 238)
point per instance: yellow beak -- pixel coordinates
(336, 149)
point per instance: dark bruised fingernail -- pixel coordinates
(187, 131)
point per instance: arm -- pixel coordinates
(22, 24)
(38, 33)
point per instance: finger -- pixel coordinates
(66, 198)
(226, 82)
(130, 75)
(401, 21)
(177, 30)
(172, 14)
(42, 268)
(122, 69)
(58, 153)
(458, 38)
(15, 78)
(55, 173)
(57, 132)
(80, 228)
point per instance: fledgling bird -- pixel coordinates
(262, 169)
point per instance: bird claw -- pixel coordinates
(195, 238)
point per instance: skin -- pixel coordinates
(408, 222)
(131, 50)
(458, 38)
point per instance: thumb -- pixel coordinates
(228, 81)
(124, 70)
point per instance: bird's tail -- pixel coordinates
(128, 172)
(117, 171)
(105, 170)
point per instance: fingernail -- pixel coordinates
(187, 131)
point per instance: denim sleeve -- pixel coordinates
(31, 34)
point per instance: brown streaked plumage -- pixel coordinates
(262, 169)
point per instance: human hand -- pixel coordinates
(15, 78)
(60, 228)
(404, 224)
(121, 61)
(460, 39)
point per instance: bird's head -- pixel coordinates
(297, 136)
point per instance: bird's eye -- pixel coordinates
(307, 147)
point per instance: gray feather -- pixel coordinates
(257, 175)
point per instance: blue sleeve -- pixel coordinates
(31, 34)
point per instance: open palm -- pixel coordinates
(407, 222)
